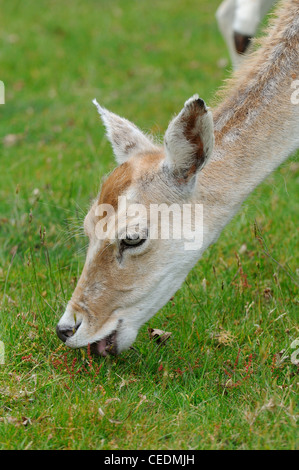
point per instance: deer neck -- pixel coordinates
(257, 124)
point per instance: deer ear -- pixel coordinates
(189, 139)
(126, 139)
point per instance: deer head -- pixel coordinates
(128, 273)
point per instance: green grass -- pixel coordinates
(218, 382)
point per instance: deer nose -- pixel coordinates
(65, 333)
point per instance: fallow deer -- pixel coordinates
(238, 21)
(214, 159)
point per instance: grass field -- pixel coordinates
(222, 381)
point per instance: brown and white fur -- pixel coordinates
(215, 159)
(238, 21)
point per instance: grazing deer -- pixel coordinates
(212, 159)
(238, 21)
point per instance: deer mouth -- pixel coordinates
(105, 346)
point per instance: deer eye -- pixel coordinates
(133, 240)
